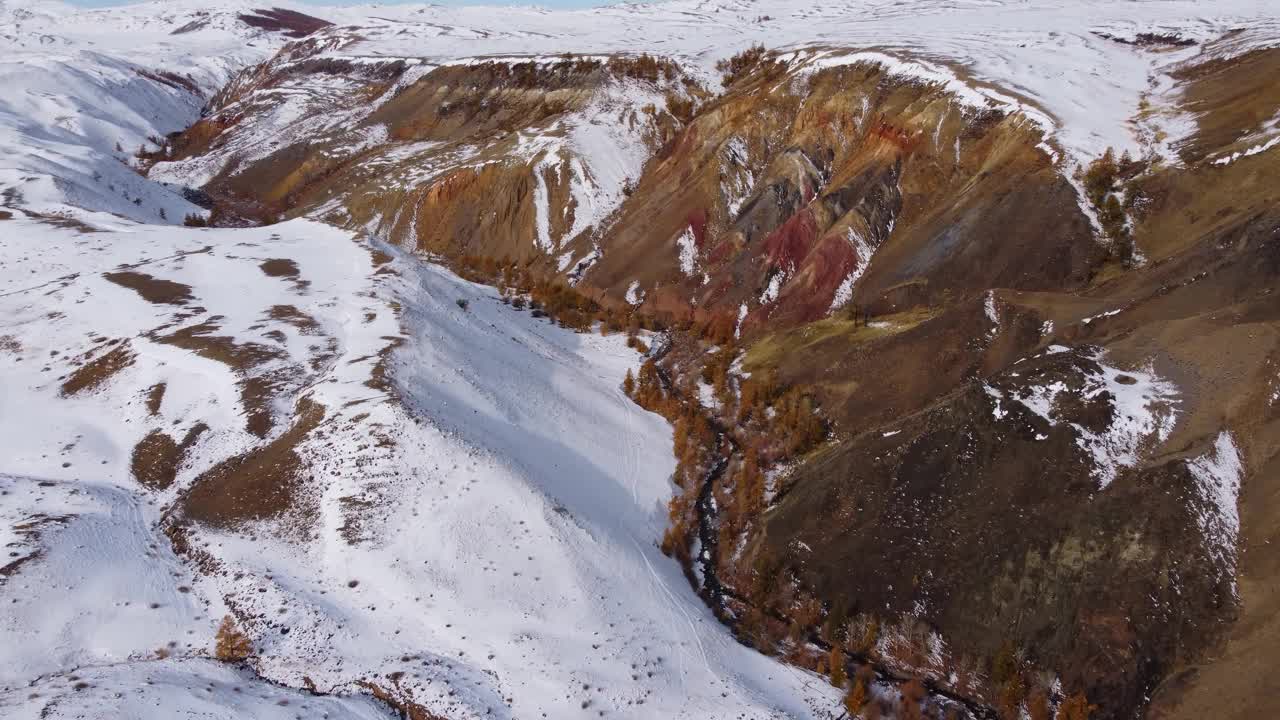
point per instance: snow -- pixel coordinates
(95, 579)
(187, 688)
(863, 250)
(1143, 405)
(1217, 475)
(497, 503)
(1052, 60)
(774, 288)
(997, 397)
(542, 203)
(81, 83)
(688, 249)
(499, 510)
(1061, 65)
(1101, 315)
(707, 396)
(738, 180)
(1248, 152)
(635, 295)
(993, 315)
(1272, 126)
(609, 141)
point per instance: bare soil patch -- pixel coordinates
(257, 485)
(152, 289)
(99, 370)
(280, 267)
(285, 268)
(157, 457)
(288, 313)
(30, 530)
(288, 22)
(155, 396)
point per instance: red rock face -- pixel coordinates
(698, 224)
(788, 246)
(823, 271)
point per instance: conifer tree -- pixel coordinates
(835, 660)
(231, 644)
(856, 698)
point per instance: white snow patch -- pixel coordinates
(863, 250)
(1218, 475)
(688, 248)
(774, 288)
(635, 295)
(993, 315)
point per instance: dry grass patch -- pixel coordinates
(157, 457)
(99, 370)
(257, 485)
(152, 289)
(768, 351)
(155, 396)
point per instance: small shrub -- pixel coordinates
(745, 64)
(680, 108)
(195, 220)
(462, 303)
(1100, 178)
(1076, 707)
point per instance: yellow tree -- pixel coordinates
(835, 661)
(856, 698)
(231, 644)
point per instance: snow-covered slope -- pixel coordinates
(1079, 61)
(88, 88)
(85, 89)
(484, 546)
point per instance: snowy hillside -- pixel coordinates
(1078, 61)
(85, 89)
(489, 543)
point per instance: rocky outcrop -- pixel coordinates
(1038, 439)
